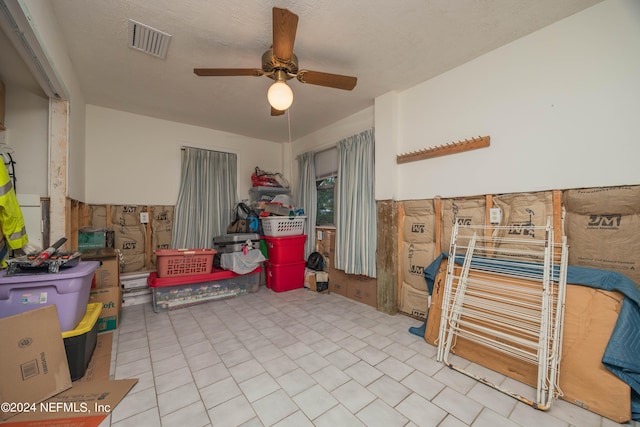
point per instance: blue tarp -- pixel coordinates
(622, 355)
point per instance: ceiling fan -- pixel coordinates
(281, 64)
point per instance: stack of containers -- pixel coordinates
(69, 291)
(186, 277)
(285, 245)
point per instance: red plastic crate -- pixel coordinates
(285, 277)
(184, 262)
(285, 250)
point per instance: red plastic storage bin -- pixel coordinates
(183, 291)
(285, 250)
(285, 277)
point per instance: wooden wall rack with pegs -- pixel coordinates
(445, 149)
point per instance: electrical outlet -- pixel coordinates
(144, 217)
(495, 215)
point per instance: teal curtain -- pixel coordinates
(356, 217)
(307, 198)
(206, 198)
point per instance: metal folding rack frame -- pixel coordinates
(509, 296)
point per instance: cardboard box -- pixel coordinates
(363, 289)
(338, 282)
(47, 397)
(355, 286)
(85, 404)
(33, 362)
(95, 238)
(318, 281)
(325, 242)
(108, 273)
(111, 299)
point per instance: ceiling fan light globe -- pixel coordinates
(280, 96)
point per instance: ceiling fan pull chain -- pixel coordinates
(289, 124)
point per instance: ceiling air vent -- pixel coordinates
(148, 40)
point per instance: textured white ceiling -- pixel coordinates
(388, 45)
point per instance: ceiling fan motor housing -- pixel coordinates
(270, 64)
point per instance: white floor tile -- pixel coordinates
(312, 362)
(275, 407)
(315, 401)
(399, 351)
(389, 390)
(422, 384)
(259, 386)
(210, 374)
(280, 366)
(454, 379)
(173, 379)
(232, 413)
(342, 359)
(298, 358)
(298, 419)
(330, 377)
(133, 369)
(192, 415)
(235, 357)
(421, 411)
(296, 381)
(246, 370)
(526, 416)
(371, 355)
(297, 350)
(324, 347)
(169, 365)
(133, 404)
(489, 418)
(451, 421)
(217, 393)
(353, 396)
(394, 368)
(458, 405)
(492, 399)
(148, 418)
(379, 414)
(337, 416)
(364, 373)
(177, 398)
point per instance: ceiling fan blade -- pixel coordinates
(228, 72)
(275, 112)
(285, 24)
(326, 79)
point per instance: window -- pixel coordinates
(325, 193)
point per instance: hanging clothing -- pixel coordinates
(14, 233)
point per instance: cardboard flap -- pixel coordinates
(86, 404)
(34, 362)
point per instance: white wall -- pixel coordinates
(46, 26)
(134, 159)
(27, 122)
(561, 105)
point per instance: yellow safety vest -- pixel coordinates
(11, 221)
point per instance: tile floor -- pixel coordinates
(299, 359)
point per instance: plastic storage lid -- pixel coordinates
(88, 321)
(83, 269)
